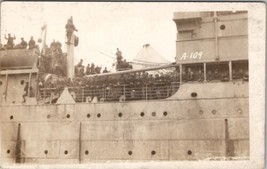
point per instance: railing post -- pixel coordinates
(205, 72)
(6, 87)
(146, 91)
(124, 90)
(181, 72)
(230, 71)
(82, 94)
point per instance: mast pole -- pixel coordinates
(71, 42)
(70, 57)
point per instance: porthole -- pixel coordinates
(120, 114)
(153, 152)
(66, 152)
(86, 152)
(98, 115)
(88, 115)
(222, 27)
(46, 152)
(8, 151)
(11, 117)
(22, 82)
(153, 113)
(194, 94)
(142, 114)
(189, 152)
(201, 112)
(68, 116)
(213, 111)
(225, 120)
(48, 116)
(165, 113)
(130, 152)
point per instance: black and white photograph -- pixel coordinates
(132, 84)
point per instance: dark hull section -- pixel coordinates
(180, 128)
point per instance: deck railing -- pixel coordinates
(114, 93)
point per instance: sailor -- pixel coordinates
(10, 41)
(200, 76)
(225, 76)
(97, 70)
(80, 63)
(245, 76)
(216, 75)
(81, 71)
(88, 70)
(31, 43)
(209, 76)
(190, 74)
(119, 57)
(184, 76)
(53, 44)
(70, 28)
(105, 70)
(240, 73)
(23, 44)
(119, 54)
(26, 90)
(92, 68)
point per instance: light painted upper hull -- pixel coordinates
(213, 125)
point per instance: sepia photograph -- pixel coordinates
(132, 84)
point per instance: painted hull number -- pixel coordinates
(192, 55)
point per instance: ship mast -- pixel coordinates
(71, 42)
(43, 38)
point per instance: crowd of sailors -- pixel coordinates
(52, 59)
(188, 75)
(122, 64)
(22, 45)
(138, 85)
(81, 70)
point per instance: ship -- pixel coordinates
(197, 110)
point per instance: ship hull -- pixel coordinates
(208, 126)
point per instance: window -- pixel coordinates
(193, 72)
(217, 71)
(240, 70)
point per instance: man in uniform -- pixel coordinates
(31, 43)
(225, 76)
(105, 70)
(200, 76)
(27, 88)
(209, 76)
(70, 28)
(184, 76)
(23, 44)
(240, 73)
(190, 74)
(10, 41)
(87, 71)
(119, 57)
(92, 68)
(53, 45)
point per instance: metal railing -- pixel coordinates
(114, 93)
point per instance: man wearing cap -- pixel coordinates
(23, 44)
(31, 43)
(26, 90)
(10, 41)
